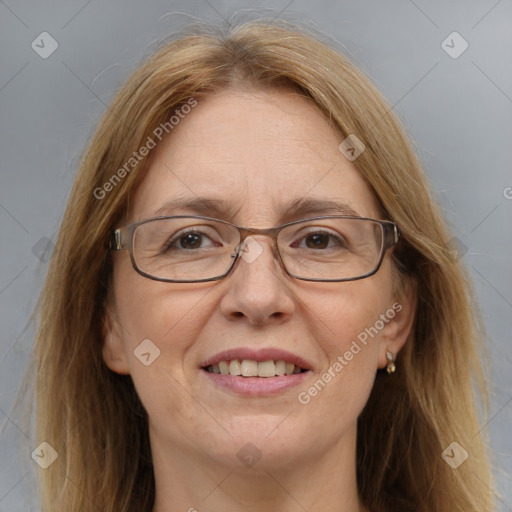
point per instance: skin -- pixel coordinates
(258, 151)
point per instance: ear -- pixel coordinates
(396, 331)
(113, 350)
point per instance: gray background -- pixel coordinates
(458, 110)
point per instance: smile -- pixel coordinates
(252, 368)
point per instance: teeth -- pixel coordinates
(250, 368)
(224, 367)
(235, 368)
(266, 369)
(280, 367)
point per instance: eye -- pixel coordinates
(189, 240)
(317, 241)
(320, 240)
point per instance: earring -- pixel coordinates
(391, 367)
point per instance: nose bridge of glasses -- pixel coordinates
(258, 233)
(252, 242)
(245, 232)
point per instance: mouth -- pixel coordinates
(252, 368)
(256, 373)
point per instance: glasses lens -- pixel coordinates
(184, 249)
(332, 248)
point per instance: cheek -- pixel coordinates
(167, 314)
(345, 324)
(171, 320)
(340, 315)
(159, 324)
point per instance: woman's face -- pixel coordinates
(254, 155)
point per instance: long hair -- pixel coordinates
(93, 416)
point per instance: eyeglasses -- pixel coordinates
(189, 249)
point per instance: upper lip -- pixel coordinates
(260, 355)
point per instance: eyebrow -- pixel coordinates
(222, 209)
(313, 206)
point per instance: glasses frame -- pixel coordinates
(122, 238)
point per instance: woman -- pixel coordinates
(251, 304)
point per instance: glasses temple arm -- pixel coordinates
(116, 240)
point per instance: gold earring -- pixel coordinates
(391, 367)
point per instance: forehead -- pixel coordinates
(257, 153)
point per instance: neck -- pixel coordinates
(186, 481)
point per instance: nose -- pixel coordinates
(258, 290)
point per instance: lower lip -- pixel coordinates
(257, 386)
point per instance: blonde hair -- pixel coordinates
(93, 417)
